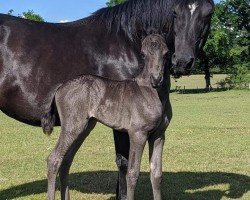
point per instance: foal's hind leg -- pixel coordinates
(68, 158)
(74, 123)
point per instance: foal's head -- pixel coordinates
(154, 49)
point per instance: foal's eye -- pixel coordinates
(143, 56)
(154, 45)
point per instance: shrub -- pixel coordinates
(238, 78)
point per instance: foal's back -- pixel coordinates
(117, 104)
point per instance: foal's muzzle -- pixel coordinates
(156, 82)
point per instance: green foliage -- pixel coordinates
(31, 15)
(10, 12)
(229, 41)
(238, 78)
(111, 3)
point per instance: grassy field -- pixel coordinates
(196, 81)
(206, 156)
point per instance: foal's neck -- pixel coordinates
(144, 77)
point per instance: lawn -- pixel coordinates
(206, 155)
(196, 81)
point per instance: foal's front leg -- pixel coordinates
(137, 144)
(156, 143)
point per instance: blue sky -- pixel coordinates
(54, 10)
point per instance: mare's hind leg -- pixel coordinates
(122, 146)
(137, 144)
(68, 158)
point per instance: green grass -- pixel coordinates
(206, 155)
(196, 81)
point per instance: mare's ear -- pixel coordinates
(207, 10)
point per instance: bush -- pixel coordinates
(238, 78)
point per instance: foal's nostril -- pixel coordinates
(174, 59)
(190, 63)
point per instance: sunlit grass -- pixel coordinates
(196, 81)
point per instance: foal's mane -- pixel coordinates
(137, 18)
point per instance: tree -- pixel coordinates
(10, 12)
(31, 15)
(111, 3)
(228, 43)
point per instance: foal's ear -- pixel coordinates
(143, 55)
(166, 50)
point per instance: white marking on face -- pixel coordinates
(192, 7)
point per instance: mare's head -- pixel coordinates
(191, 25)
(154, 49)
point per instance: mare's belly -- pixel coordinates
(24, 102)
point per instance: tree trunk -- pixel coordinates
(208, 79)
(205, 62)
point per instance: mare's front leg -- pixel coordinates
(156, 143)
(137, 144)
(122, 146)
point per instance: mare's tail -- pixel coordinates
(49, 119)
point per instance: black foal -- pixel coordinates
(131, 106)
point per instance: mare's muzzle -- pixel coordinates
(182, 65)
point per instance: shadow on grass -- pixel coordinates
(197, 91)
(180, 185)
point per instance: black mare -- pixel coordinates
(36, 58)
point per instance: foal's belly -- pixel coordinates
(114, 115)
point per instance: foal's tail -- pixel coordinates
(49, 119)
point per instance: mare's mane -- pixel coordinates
(137, 18)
